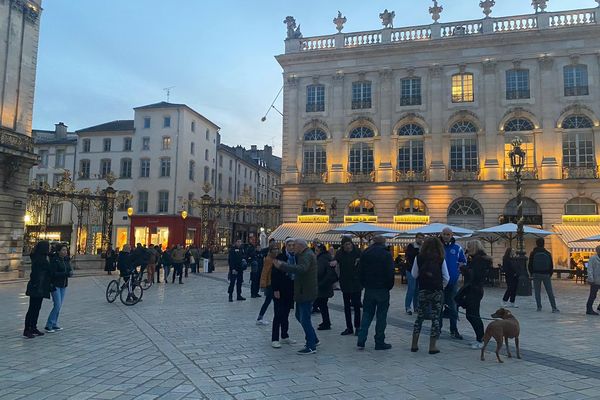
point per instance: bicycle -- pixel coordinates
(130, 292)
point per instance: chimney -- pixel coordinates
(268, 153)
(60, 130)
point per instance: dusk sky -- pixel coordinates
(98, 59)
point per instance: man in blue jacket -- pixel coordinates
(455, 258)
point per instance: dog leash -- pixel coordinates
(477, 316)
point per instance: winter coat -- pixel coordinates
(476, 271)
(40, 278)
(348, 264)
(265, 275)
(326, 276)
(509, 267)
(178, 255)
(125, 263)
(110, 257)
(236, 259)
(454, 255)
(60, 271)
(594, 270)
(305, 272)
(282, 283)
(376, 269)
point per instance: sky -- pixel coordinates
(98, 59)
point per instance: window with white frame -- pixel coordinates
(127, 144)
(146, 122)
(43, 155)
(166, 142)
(163, 201)
(104, 168)
(576, 80)
(360, 160)
(192, 170)
(578, 142)
(581, 206)
(125, 168)
(106, 143)
(315, 98)
(85, 146)
(84, 169)
(165, 167)
(463, 147)
(523, 128)
(361, 95)
(361, 206)
(517, 84)
(411, 206)
(411, 156)
(145, 143)
(314, 206)
(144, 168)
(410, 92)
(142, 202)
(462, 88)
(59, 158)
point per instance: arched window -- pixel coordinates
(360, 160)
(411, 130)
(410, 151)
(581, 206)
(314, 206)
(532, 212)
(578, 146)
(411, 206)
(315, 134)
(463, 126)
(361, 132)
(466, 212)
(518, 125)
(361, 206)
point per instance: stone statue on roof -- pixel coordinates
(293, 31)
(387, 18)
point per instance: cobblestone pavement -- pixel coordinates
(187, 342)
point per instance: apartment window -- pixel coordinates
(578, 150)
(142, 202)
(41, 178)
(463, 154)
(220, 182)
(206, 154)
(361, 95)
(43, 158)
(410, 92)
(192, 148)
(581, 206)
(213, 175)
(231, 165)
(86, 145)
(360, 160)
(104, 168)
(192, 170)
(106, 145)
(166, 142)
(245, 172)
(145, 143)
(163, 201)
(59, 159)
(193, 126)
(84, 169)
(125, 204)
(165, 167)
(230, 185)
(127, 144)
(220, 161)
(462, 88)
(207, 134)
(576, 80)
(315, 98)
(190, 203)
(411, 156)
(125, 168)
(517, 84)
(206, 174)
(166, 122)
(146, 122)
(315, 159)
(361, 206)
(145, 168)
(56, 178)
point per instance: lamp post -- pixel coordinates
(206, 200)
(184, 215)
(517, 162)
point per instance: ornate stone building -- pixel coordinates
(414, 124)
(19, 30)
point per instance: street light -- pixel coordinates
(517, 162)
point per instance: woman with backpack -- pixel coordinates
(431, 273)
(511, 276)
(326, 277)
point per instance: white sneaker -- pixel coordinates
(262, 322)
(476, 345)
(504, 304)
(513, 305)
(276, 345)
(288, 341)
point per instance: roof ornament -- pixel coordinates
(387, 18)
(435, 11)
(293, 31)
(339, 22)
(540, 5)
(487, 7)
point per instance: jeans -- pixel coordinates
(538, 279)
(412, 293)
(512, 282)
(167, 269)
(281, 322)
(235, 280)
(268, 297)
(177, 270)
(593, 292)
(303, 310)
(376, 303)
(33, 312)
(449, 292)
(430, 307)
(352, 300)
(194, 268)
(255, 282)
(58, 296)
(322, 302)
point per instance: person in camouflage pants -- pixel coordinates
(431, 309)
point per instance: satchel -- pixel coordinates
(461, 296)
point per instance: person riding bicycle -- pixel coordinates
(126, 265)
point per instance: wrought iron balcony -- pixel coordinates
(581, 172)
(518, 94)
(314, 178)
(410, 101)
(361, 104)
(315, 107)
(463, 175)
(411, 176)
(527, 173)
(361, 177)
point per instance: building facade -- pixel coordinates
(19, 29)
(414, 124)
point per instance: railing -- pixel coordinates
(581, 172)
(361, 104)
(410, 101)
(361, 177)
(527, 173)
(16, 141)
(314, 178)
(315, 107)
(463, 175)
(500, 25)
(411, 176)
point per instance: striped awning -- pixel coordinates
(571, 232)
(311, 231)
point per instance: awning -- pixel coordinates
(310, 231)
(571, 232)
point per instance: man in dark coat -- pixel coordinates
(237, 266)
(347, 259)
(376, 272)
(541, 268)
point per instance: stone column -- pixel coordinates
(437, 168)
(551, 143)
(336, 151)
(488, 142)
(384, 151)
(290, 130)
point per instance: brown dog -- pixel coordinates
(507, 327)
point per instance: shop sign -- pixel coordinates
(313, 218)
(411, 219)
(351, 219)
(581, 218)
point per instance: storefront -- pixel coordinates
(165, 230)
(573, 228)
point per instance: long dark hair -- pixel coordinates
(507, 254)
(41, 249)
(433, 249)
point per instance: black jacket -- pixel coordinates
(40, 278)
(348, 264)
(326, 276)
(536, 269)
(236, 259)
(376, 269)
(412, 252)
(509, 267)
(282, 283)
(125, 263)
(109, 260)
(60, 271)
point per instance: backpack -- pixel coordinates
(542, 263)
(430, 274)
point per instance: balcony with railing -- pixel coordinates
(411, 176)
(410, 100)
(361, 177)
(581, 172)
(538, 21)
(527, 173)
(361, 104)
(314, 178)
(463, 175)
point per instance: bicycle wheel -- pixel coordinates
(145, 283)
(131, 295)
(112, 291)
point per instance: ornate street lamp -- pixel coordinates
(517, 162)
(206, 200)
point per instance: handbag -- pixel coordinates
(461, 296)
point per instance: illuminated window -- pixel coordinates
(581, 206)
(576, 80)
(412, 206)
(361, 206)
(361, 95)
(578, 142)
(465, 206)
(315, 159)
(517, 84)
(315, 98)
(527, 146)
(462, 88)
(314, 206)
(518, 125)
(166, 142)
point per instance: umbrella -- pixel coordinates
(437, 228)
(508, 232)
(361, 230)
(589, 239)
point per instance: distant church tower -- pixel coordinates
(19, 33)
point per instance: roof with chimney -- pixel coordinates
(164, 104)
(112, 126)
(56, 137)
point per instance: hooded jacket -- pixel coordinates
(454, 255)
